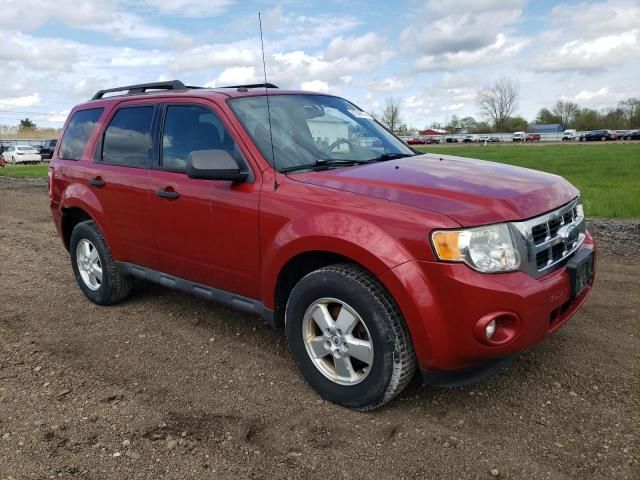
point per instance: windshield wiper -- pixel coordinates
(323, 163)
(390, 156)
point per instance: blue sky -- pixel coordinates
(433, 55)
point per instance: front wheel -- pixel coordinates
(348, 337)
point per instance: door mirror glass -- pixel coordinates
(214, 165)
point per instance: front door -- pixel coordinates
(206, 231)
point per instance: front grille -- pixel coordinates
(553, 237)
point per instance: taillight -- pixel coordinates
(50, 182)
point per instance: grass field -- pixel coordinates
(25, 171)
(608, 175)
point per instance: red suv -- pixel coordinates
(301, 208)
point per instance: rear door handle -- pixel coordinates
(97, 182)
(164, 193)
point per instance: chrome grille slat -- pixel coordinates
(541, 241)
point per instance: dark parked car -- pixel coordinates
(493, 139)
(533, 137)
(47, 148)
(597, 136)
(430, 140)
(452, 140)
(635, 135)
(5, 144)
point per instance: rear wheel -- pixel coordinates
(348, 337)
(96, 273)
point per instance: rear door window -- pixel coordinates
(128, 140)
(77, 134)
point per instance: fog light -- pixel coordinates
(490, 329)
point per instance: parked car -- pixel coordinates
(5, 144)
(483, 138)
(415, 141)
(431, 140)
(519, 137)
(635, 135)
(569, 135)
(619, 134)
(597, 135)
(46, 149)
(470, 139)
(2, 162)
(452, 140)
(21, 154)
(533, 137)
(373, 265)
(493, 139)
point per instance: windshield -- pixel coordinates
(26, 149)
(311, 128)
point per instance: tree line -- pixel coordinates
(498, 102)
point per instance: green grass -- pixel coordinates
(607, 175)
(25, 171)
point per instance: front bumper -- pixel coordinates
(443, 303)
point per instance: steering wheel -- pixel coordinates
(339, 142)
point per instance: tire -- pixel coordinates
(113, 285)
(603, 139)
(378, 323)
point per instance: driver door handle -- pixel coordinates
(166, 193)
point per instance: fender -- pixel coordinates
(333, 232)
(77, 195)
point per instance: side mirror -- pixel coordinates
(214, 165)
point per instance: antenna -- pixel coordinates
(266, 93)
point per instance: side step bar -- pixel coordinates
(211, 294)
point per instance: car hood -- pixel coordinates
(471, 192)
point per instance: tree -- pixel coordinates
(26, 124)
(468, 123)
(546, 116)
(453, 125)
(515, 124)
(498, 101)
(565, 111)
(631, 108)
(587, 119)
(391, 114)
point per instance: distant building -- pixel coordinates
(545, 128)
(430, 132)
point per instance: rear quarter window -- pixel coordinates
(77, 134)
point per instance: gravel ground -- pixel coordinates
(168, 386)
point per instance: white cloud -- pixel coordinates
(500, 50)
(191, 8)
(237, 75)
(315, 86)
(26, 101)
(205, 57)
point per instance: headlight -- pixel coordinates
(487, 249)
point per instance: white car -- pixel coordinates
(519, 137)
(569, 135)
(21, 154)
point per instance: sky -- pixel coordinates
(432, 55)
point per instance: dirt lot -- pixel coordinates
(168, 386)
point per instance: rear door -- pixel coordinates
(206, 231)
(119, 177)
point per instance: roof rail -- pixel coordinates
(253, 85)
(143, 87)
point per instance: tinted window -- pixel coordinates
(78, 132)
(127, 141)
(187, 129)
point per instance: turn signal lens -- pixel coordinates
(447, 245)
